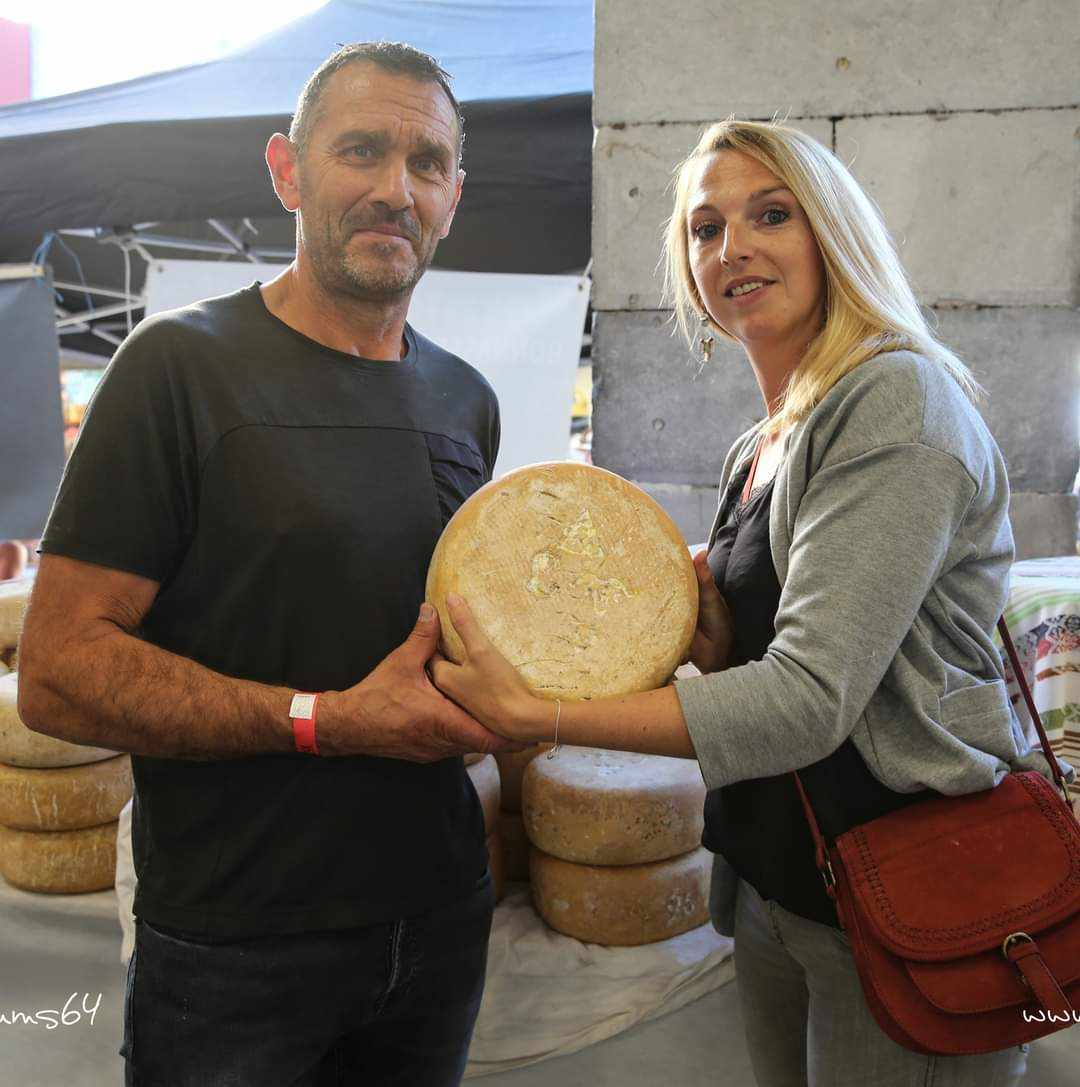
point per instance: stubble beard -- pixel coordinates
(361, 276)
(364, 276)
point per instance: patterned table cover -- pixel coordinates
(1043, 613)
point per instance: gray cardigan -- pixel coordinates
(890, 535)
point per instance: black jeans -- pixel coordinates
(387, 1004)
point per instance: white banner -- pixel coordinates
(522, 332)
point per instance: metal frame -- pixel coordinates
(135, 239)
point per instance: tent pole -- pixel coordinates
(237, 243)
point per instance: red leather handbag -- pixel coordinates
(964, 912)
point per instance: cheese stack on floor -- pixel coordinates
(580, 580)
(59, 803)
(483, 772)
(616, 856)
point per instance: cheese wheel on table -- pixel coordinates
(70, 798)
(512, 766)
(19, 746)
(593, 806)
(485, 778)
(625, 906)
(59, 861)
(578, 577)
(515, 846)
(14, 596)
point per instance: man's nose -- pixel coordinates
(391, 185)
(736, 246)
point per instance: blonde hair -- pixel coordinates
(870, 307)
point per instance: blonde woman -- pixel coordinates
(848, 592)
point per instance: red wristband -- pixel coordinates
(303, 711)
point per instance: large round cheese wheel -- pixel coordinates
(19, 746)
(14, 596)
(613, 807)
(578, 577)
(512, 766)
(515, 846)
(622, 907)
(59, 861)
(485, 778)
(64, 799)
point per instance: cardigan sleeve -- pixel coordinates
(870, 537)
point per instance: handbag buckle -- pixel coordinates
(829, 877)
(1009, 940)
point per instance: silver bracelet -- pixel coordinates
(558, 714)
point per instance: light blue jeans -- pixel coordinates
(806, 1020)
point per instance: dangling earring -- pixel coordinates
(706, 341)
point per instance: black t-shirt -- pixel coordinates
(288, 498)
(759, 825)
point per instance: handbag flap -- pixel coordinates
(985, 982)
(956, 875)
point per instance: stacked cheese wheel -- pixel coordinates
(59, 803)
(14, 595)
(483, 772)
(616, 857)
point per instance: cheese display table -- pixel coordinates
(1043, 613)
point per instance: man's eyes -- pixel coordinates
(425, 164)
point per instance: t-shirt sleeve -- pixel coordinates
(128, 495)
(494, 436)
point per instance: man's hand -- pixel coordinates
(396, 712)
(711, 647)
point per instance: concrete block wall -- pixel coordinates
(962, 121)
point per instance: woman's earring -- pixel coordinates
(706, 341)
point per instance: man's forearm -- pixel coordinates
(114, 690)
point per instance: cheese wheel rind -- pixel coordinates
(69, 798)
(622, 907)
(484, 776)
(579, 578)
(14, 596)
(592, 806)
(59, 861)
(19, 746)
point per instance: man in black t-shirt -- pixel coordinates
(248, 516)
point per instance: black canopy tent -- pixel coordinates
(181, 148)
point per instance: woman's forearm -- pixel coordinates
(650, 722)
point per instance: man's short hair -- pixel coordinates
(395, 57)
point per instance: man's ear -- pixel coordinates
(281, 159)
(453, 209)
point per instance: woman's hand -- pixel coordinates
(487, 685)
(711, 647)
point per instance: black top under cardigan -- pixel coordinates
(759, 825)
